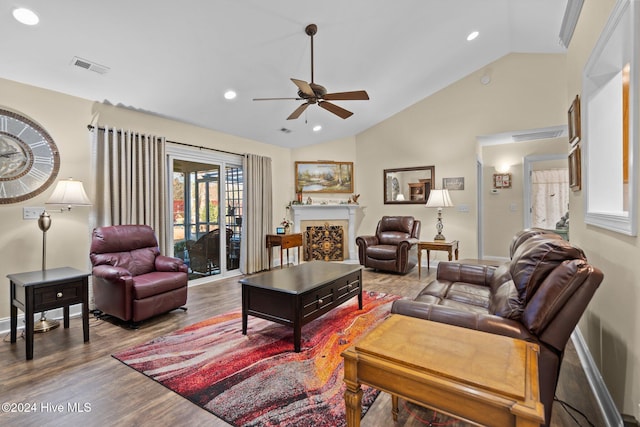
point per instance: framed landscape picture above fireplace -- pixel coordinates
(324, 177)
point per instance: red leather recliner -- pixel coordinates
(393, 247)
(131, 280)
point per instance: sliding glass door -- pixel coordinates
(207, 208)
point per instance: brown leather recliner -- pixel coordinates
(393, 247)
(131, 280)
(539, 296)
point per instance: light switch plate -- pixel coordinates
(31, 213)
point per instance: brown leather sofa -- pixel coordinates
(393, 247)
(539, 296)
(131, 280)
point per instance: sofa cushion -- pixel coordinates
(154, 283)
(137, 261)
(383, 252)
(557, 288)
(469, 294)
(505, 301)
(394, 229)
(535, 258)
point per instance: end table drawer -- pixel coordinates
(57, 295)
(291, 240)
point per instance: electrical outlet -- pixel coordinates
(31, 213)
(462, 208)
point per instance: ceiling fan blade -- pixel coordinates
(276, 99)
(338, 111)
(298, 111)
(304, 87)
(358, 95)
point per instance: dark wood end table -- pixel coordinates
(44, 290)
(285, 241)
(438, 245)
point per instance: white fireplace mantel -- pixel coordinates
(329, 212)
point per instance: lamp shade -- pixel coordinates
(69, 192)
(439, 199)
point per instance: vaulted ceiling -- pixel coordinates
(177, 59)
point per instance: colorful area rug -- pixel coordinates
(257, 379)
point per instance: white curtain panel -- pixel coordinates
(130, 180)
(550, 194)
(258, 208)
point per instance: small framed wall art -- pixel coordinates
(453, 183)
(574, 121)
(501, 180)
(575, 178)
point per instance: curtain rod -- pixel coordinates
(91, 128)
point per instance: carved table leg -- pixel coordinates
(353, 393)
(394, 407)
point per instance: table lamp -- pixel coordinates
(439, 199)
(67, 193)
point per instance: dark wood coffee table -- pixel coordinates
(297, 295)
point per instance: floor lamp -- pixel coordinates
(439, 199)
(67, 193)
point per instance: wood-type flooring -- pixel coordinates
(70, 382)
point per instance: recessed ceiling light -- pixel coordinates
(25, 16)
(472, 35)
(317, 128)
(230, 94)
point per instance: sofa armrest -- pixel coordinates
(167, 263)
(367, 240)
(466, 319)
(408, 243)
(110, 273)
(476, 274)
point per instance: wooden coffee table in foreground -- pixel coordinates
(297, 295)
(474, 376)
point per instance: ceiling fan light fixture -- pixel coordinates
(312, 93)
(230, 94)
(317, 128)
(472, 35)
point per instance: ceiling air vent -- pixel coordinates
(532, 136)
(88, 65)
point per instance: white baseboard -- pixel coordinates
(608, 408)
(57, 314)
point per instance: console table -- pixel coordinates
(450, 247)
(44, 290)
(475, 376)
(285, 241)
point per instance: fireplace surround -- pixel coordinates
(329, 214)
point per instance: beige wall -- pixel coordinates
(611, 326)
(503, 213)
(66, 119)
(526, 92)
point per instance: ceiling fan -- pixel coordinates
(313, 93)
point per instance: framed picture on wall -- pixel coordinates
(324, 177)
(575, 179)
(501, 180)
(453, 183)
(574, 121)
